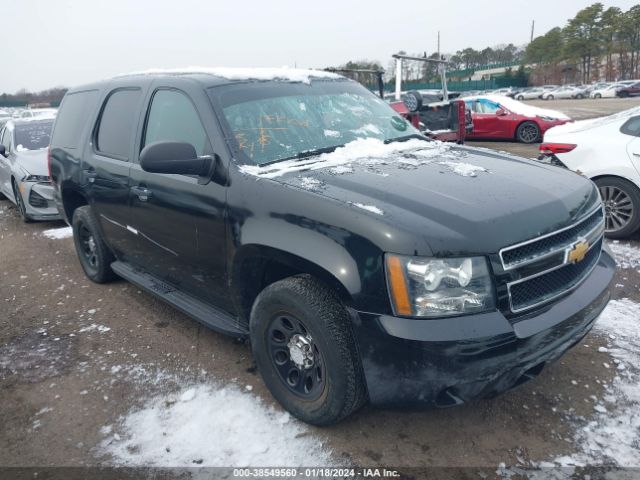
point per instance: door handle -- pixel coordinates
(90, 174)
(142, 193)
(636, 154)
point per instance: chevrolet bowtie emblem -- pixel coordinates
(577, 252)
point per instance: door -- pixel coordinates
(5, 163)
(105, 166)
(179, 224)
(486, 121)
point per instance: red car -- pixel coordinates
(498, 117)
(629, 91)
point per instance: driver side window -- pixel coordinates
(485, 106)
(172, 117)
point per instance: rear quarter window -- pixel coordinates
(631, 127)
(72, 118)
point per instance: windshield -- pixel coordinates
(33, 135)
(268, 122)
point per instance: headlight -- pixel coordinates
(439, 287)
(545, 118)
(36, 178)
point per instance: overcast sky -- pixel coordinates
(51, 43)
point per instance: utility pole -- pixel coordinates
(533, 24)
(438, 44)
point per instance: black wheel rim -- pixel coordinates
(618, 208)
(528, 133)
(88, 246)
(295, 356)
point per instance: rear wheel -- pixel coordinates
(95, 257)
(597, 95)
(22, 208)
(579, 96)
(519, 97)
(304, 348)
(528, 132)
(549, 97)
(621, 201)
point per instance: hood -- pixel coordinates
(583, 125)
(33, 161)
(459, 199)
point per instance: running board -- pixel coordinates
(208, 315)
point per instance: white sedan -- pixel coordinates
(562, 92)
(607, 150)
(529, 94)
(606, 92)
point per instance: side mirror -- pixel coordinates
(176, 158)
(3, 151)
(501, 112)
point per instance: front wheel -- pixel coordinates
(528, 132)
(621, 201)
(549, 97)
(95, 257)
(579, 96)
(623, 94)
(520, 97)
(22, 208)
(304, 348)
(597, 95)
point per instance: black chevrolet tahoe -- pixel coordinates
(364, 262)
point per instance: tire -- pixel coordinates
(22, 208)
(93, 253)
(549, 97)
(623, 94)
(579, 96)
(520, 97)
(597, 95)
(622, 206)
(528, 132)
(302, 311)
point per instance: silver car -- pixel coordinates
(24, 173)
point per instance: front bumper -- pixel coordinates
(38, 201)
(409, 362)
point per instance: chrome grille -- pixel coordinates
(536, 290)
(547, 245)
(543, 268)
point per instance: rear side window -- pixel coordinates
(117, 123)
(72, 118)
(172, 117)
(631, 127)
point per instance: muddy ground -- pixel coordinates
(62, 373)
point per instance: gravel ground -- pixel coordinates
(84, 368)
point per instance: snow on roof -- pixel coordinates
(521, 108)
(287, 74)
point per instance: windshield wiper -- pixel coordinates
(408, 137)
(311, 153)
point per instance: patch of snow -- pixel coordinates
(613, 436)
(310, 183)
(207, 425)
(94, 327)
(626, 255)
(58, 233)
(368, 208)
(520, 108)
(296, 75)
(463, 169)
(331, 133)
(341, 169)
(364, 151)
(368, 128)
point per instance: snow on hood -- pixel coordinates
(365, 151)
(522, 108)
(582, 125)
(298, 75)
(33, 161)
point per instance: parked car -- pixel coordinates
(563, 92)
(24, 176)
(529, 94)
(610, 91)
(363, 261)
(629, 90)
(606, 150)
(507, 119)
(38, 113)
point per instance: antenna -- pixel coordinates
(533, 24)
